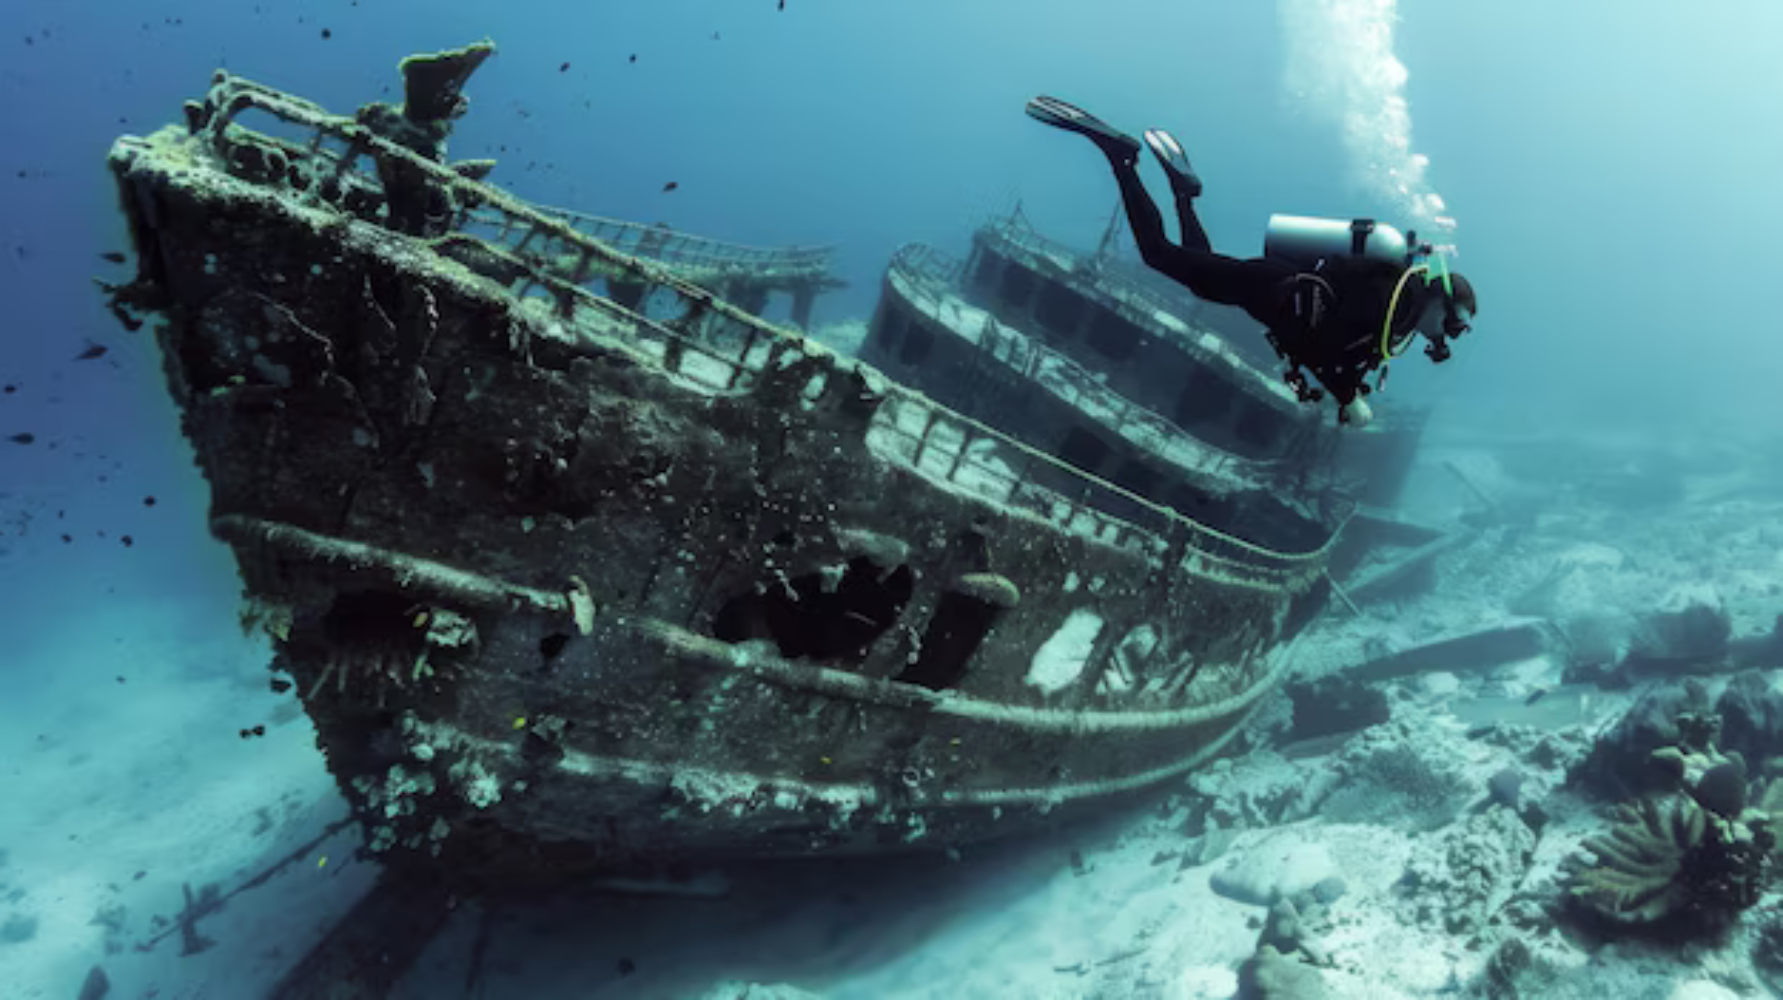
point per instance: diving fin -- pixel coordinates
(1071, 118)
(1175, 162)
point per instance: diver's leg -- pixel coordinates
(1193, 236)
(1185, 186)
(1249, 284)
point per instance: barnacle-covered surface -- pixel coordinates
(576, 564)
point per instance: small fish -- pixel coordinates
(92, 351)
(670, 186)
(715, 36)
(634, 57)
(112, 255)
(565, 68)
(26, 438)
(782, 4)
(1534, 696)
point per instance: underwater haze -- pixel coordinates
(1605, 173)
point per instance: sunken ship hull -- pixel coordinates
(575, 565)
(1158, 396)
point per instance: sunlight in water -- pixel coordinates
(1340, 66)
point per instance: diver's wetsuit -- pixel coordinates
(1328, 320)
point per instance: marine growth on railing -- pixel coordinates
(711, 342)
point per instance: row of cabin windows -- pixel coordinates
(1059, 309)
(912, 340)
(1112, 336)
(1088, 452)
(1202, 400)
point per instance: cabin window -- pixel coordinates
(1018, 286)
(1257, 426)
(1203, 398)
(891, 324)
(984, 275)
(1059, 309)
(1189, 500)
(918, 341)
(1083, 449)
(1138, 477)
(1113, 337)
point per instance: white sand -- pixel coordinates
(100, 781)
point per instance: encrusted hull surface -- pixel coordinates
(565, 584)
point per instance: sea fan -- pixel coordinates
(1670, 865)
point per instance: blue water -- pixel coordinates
(1612, 171)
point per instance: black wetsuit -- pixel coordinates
(1327, 319)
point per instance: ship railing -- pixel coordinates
(713, 343)
(1137, 302)
(552, 256)
(1123, 416)
(1113, 282)
(929, 267)
(967, 454)
(669, 246)
(1034, 360)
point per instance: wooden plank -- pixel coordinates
(1470, 652)
(1380, 581)
(1384, 527)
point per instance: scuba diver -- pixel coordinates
(1337, 297)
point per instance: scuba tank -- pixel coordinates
(1306, 241)
(1307, 298)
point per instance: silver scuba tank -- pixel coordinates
(1305, 241)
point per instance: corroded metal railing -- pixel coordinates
(1033, 359)
(1108, 279)
(671, 246)
(1225, 552)
(717, 345)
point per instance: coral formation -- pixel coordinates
(1395, 775)
(1675, 867)
(1698, 848)
(1481, 863)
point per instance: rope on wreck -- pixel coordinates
(406, 572)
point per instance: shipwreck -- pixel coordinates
(577, 564)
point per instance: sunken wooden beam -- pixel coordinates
(1390, 578)
(1471, 652)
